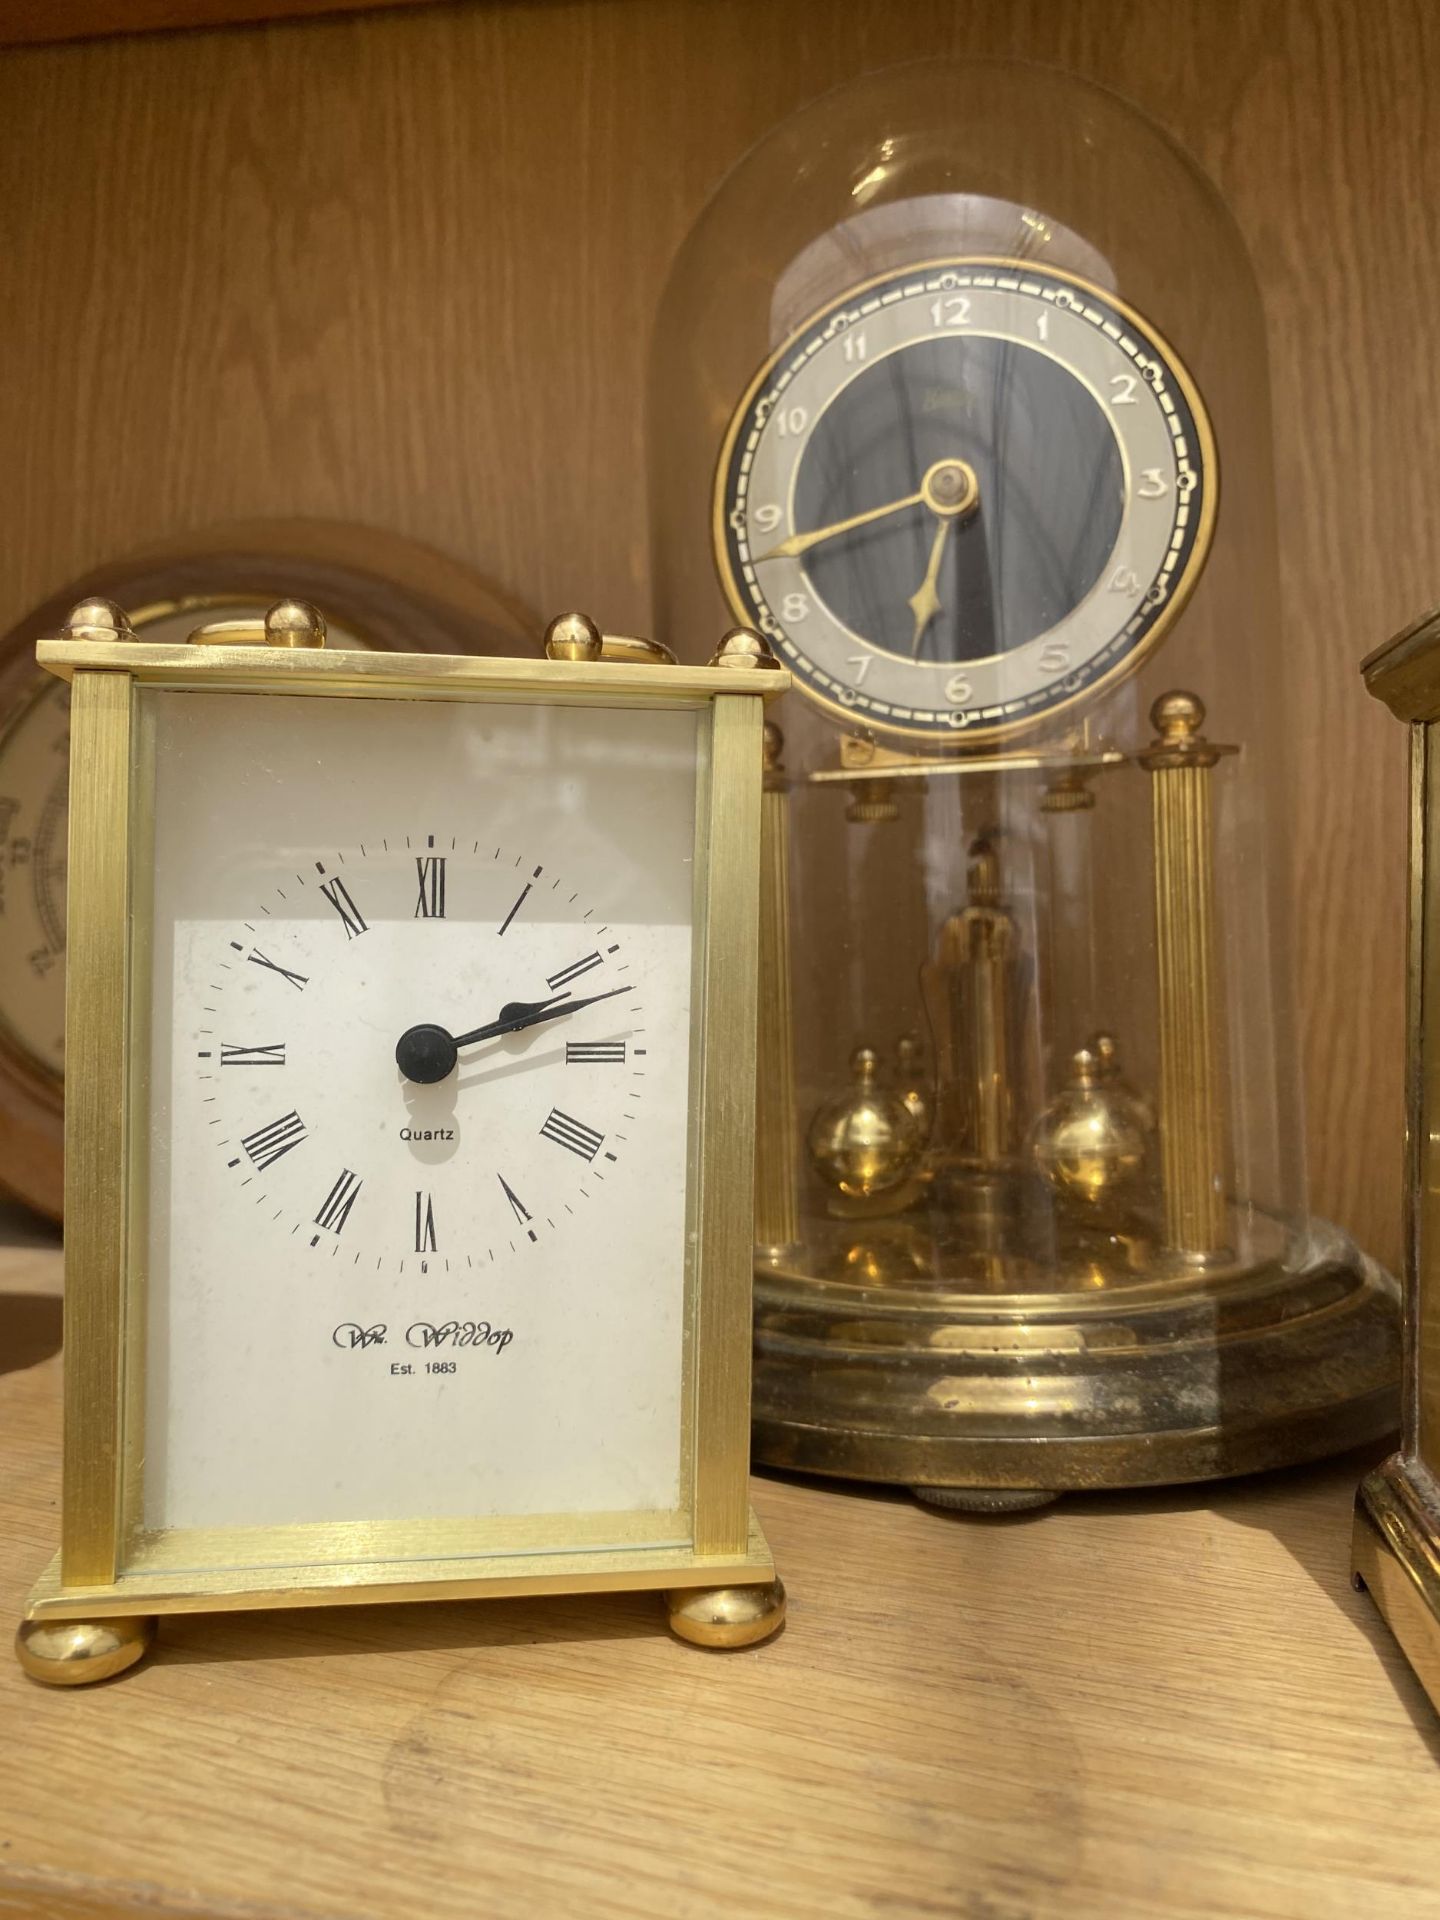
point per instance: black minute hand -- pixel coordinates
(518, 1015)
(427, 1053)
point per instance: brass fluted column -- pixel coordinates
(1192, 1133)
(776, 1209)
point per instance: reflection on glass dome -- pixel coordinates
(963, 369)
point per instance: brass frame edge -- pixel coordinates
(97, 1146)
(228, 1590)
(336, 670)
(724, 1093)
(1395, 1557)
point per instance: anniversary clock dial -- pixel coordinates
(965, 496)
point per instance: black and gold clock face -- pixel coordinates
(964, 497)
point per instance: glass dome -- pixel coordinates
(958, 393)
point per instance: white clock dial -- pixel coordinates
(298, 1017)
(964, 497)
(491, 1241)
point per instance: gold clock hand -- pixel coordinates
(802, 542)
(925, 601)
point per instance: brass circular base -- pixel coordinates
(77, 1653)
(725, 1616)
(984, 1499)
(1130, 1370)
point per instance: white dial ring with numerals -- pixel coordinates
(1092, 458)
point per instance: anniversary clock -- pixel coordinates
(410, 1128)
(978, 429)
(382, 591)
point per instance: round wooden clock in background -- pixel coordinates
(377, 589)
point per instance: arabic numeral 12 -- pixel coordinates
(951, 310)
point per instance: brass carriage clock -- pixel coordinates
(963, 369)
(411, 1015)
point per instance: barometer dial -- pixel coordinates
(34, 774)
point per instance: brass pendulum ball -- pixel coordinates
(866, 1140)
(1090, 1143)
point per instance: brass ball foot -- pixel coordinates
(985, 1499)
(725, 1616)
(76, 1653)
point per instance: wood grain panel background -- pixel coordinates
(400, 268)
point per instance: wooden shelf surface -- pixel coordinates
(1158, 1707)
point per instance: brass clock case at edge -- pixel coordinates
(978, 737)
(393, 592)
(1395, 1543)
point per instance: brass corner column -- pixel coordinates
(1192, 1135)
(777, 1213)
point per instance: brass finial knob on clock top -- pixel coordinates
(1090, 1143)
(743, 647)
(866, 1140)
(98, 620)
(288, 624)
(1178, 717)
(573, 636)
(294, 623)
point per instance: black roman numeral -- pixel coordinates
(424, 1223)
(338, 894)
(297, 980)
(338, 1202)
(594, 1053)
(272, 1142)
(573, 971)
(516, 908)
(252, 1056)
(430, 877)
(573, 1134)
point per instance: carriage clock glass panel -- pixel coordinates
(419, 1075)
(964, 497)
